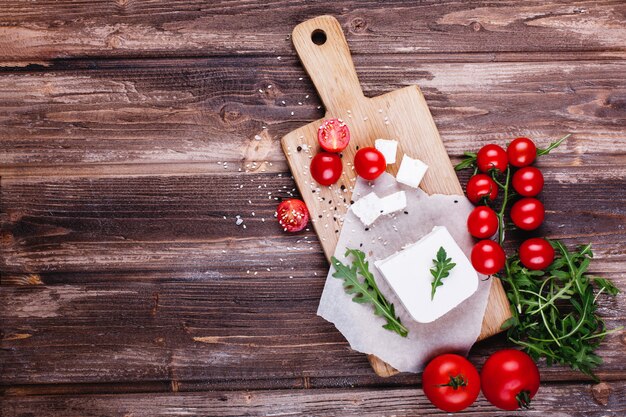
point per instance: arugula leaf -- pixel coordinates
(468, 161)
(554, 311)
(443, 266)
(367, 291)
(552, 146)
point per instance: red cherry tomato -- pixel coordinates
(326, 168)
(536, 253)
(369, 163)
(527, 213)
(481, 186)
(509, 379)
(521, 152)
(482, 222)
(292, 215)
(333, 135)
(528, 181)
(451, 382)
(487, 257)
(491, 157)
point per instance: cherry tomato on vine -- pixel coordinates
(482, 222)
(527, 213)
(491, 157)
(509, 379)
(333, 135)
(528, 181)
(481, 186)
(487, 257)
(326, 168)
(369, 163)
(521, 152)
(451, 382)
(292, 215)
(536, 253)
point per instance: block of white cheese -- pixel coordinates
(367, 208)
(388, 147)
(408, 274)
(411, 171)
(393, 202)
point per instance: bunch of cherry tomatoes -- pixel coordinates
(527, 213)
(509, 380)
(326, 168)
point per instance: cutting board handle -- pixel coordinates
(324, 53)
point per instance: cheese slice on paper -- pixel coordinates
(367, 208)
(388, 147)
(408, 274)
(393, 202)
(411, 171)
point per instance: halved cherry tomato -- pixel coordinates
(451, 382)
(536, 253)
(481, 186)
(292, 215)
(509, 379)
(369, 163)
(326, 168)
(333, 135)
(527, 213)
(491, 157)
(482, 222)
(528, 181)
(521, 152)
(487, 257)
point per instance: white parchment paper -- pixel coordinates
(456, 331)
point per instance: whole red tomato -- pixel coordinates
(451, 382)
(482, 222)
(528, 181)
(487, 257)
(527, 213)
(491, 157)
(481, 186)
(509, 379)
(333, 135)
(536, 253)
(292, 215)
(521, 152)
(326, 168)
(369, 163)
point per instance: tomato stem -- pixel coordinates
(523, 399)
(456, 382)
(505, 200)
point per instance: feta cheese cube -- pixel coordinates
(411, 171)
(388, 147)
(393, 202)
(408, 274)
(367, 208)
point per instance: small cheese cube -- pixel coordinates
(388, 148)
(393, 202)
(411, 171)
(408, 274)
(367, 208)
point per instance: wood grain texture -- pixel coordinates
(116, 116)
(401, 114)
(571, 400)
(125, 28)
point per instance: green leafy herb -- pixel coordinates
(366, 291)
(554, 311)
(552, 146)
(443, 266)
(467, 162)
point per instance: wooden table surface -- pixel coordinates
(133, 133)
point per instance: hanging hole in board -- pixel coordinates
(318, 37)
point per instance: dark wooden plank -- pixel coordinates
(72, 28)
(186, 115)
(572, 400)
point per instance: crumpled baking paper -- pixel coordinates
(456, 331)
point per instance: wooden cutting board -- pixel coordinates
(401, 114)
